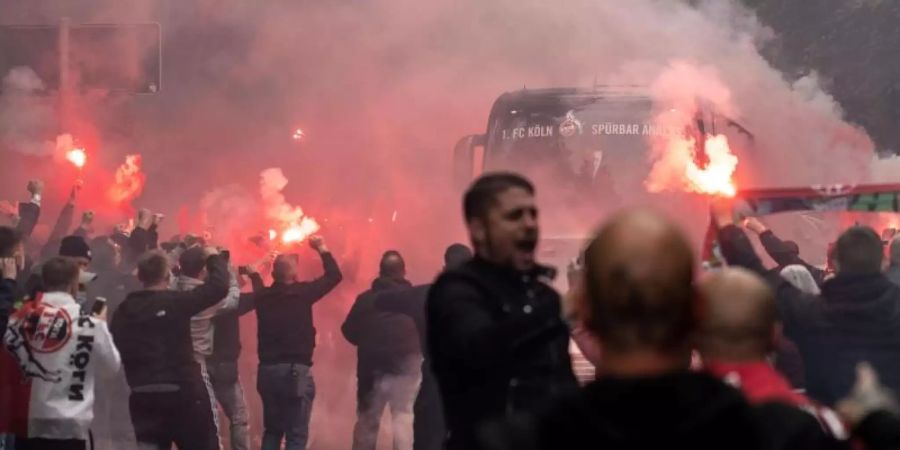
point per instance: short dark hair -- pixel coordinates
(859, 251)
(482, 194)
(392, 265)
(192, 262)
(153, 266)
(9, 239)
(59, 274)
(456, 255)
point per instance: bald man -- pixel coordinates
(389, 355)
(639, 303)
(737, 334)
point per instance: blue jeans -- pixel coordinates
(287, 392)
(228, 390)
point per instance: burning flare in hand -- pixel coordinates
(77, 157)
(294, 225)
(299, 232)
(678, 168)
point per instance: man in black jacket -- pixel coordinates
(287, 338)
(388, 359)
(497, 342)
(428, 422)
(857, 317)
(639, 305)
(152, 329)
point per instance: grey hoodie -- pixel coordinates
(202, 329)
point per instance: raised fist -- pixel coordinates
(317, 243)
(35, 187)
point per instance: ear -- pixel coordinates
(477, 231)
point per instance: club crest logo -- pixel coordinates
(570, 126)
(47, 329)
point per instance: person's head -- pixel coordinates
(12, 245)
(859, 251)
(106, 254)
(456, 255)
(284, 269)
(501, 216)
(60, 274)
(193, 263)
(639, 300)
(392, 266)
(799, 276)
(77, 248)
(154, 270)
(739, 320)
(895, 251)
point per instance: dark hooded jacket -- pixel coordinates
(684, 410)
(880, 430)
(152, 330)
(497, 345)
(385, 341)
(428, 427)
(857, 318)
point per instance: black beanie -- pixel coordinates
(74, 247)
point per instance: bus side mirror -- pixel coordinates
(468, 162)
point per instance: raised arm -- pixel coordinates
(60, 229)
(247, 302)
(30, 212)
(320, 287)
(794, 306)
(215, 288)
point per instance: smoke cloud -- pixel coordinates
(382, 90)
(26, 119)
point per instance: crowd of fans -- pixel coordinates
(115, 339)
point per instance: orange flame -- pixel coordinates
(129, 181)
(715, 178)
(77, 157)
(677, 169)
